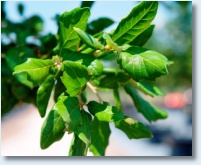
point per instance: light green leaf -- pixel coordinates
(100, 132)
(52, 129)
(150, 112)
(68, 38)
(84, 130)
(43, 94)
(89, 40)
(141, 63)
(37, 70)
(94, 66)
(133, 129)
(136, 22)
(104, 112)
(148, 89)
(78, 147)
(69, 109)
(143, 37)
(75, 77)
(111, 43)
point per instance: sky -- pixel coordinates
(116, 10)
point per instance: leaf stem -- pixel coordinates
(117, 100)
(94, 90)
(109, 71)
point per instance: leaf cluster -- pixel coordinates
(78, 64)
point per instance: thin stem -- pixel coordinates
(110, 71)
(94, 90)
(117, 100)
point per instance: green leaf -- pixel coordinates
(136, 22)
(36, 69)
(148, 89)
(43, 94)
(52, 129)
(16, 56)
(87, 4)
(68, 38)
(59, 89)
(133, 129)
(87, 50)
(94, 66)
(113, 81)
(100, 132)
(104, 112)
(117, 99)
(78, 147)
(84, 131)
(99, 25)
(141, 63)
(111, 43)
(150, 112)
(75, 77)
(89, 40)
(143, 37)
(69, 110)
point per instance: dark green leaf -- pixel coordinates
(21, 8)
(142, 63)
(68, 38)
(78, 147)
(75, 77)
(143, 37)
(150, 112)
(89, 40)
(84, 131)
(100, 132)
(16, 56)
(69, 110)
(113, 81)
(136, 22)
(36, 69)
(43, 94)
(52, 129)
(104, 112)
(87, 4)
(94, 66)
(99, 25)
(133, 129)
(59, 89)
(148, 89)
(117, 100)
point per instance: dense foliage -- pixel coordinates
(77, 63)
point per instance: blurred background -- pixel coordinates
(28, 30)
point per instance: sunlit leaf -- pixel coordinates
(68, 38)
(69, 110)
(89, 40)
(37, 69)
(75, 77)
(43, 94)
(136, 22)
(104, 112)
(149, 111)
(100, 132)
(133, 129)
(78, 147)
(142, 63)
(52, 129)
